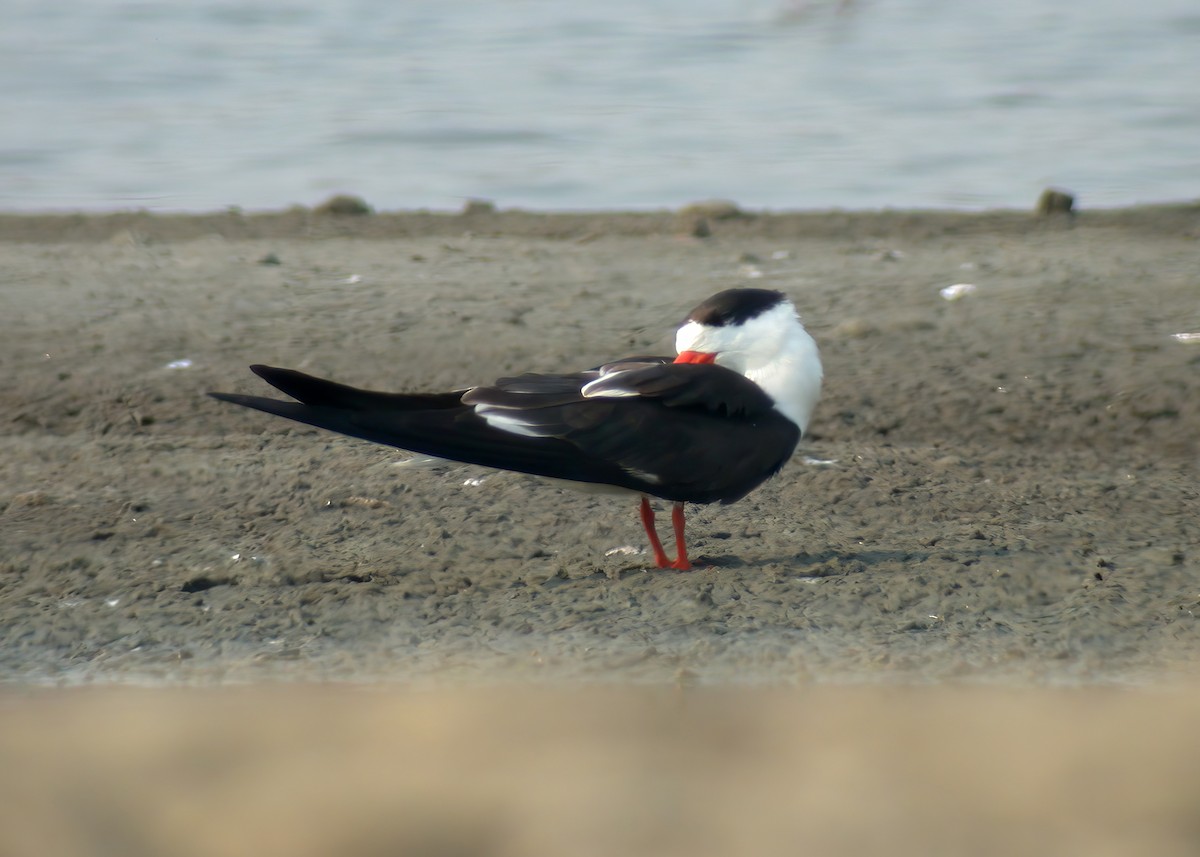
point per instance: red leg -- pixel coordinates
(660, 556)
(681, 560)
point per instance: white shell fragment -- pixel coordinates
(179, 364)
(418, 462)
(957, 291)
(1187, 337)
(624, 550)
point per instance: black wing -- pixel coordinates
(698, 433)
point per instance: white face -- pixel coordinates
(743, 347)
(773, 350)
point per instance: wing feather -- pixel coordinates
(699, 433)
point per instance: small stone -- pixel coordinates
(713, 209)
(270, 259)
(1053, 201)
(478, 206)
(343, 205)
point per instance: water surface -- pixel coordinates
(617, 104)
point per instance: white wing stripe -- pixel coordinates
(607, 387)
(499, 418)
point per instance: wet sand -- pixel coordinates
(1000, 487)
(998, 491)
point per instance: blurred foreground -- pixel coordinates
(360, 770)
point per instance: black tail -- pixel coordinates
(436, 424)
(337, 407)
(329, 394)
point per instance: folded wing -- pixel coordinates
(697, 433)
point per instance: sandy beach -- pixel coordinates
(994, 517)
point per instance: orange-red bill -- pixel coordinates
(695, 357)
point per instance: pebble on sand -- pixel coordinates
(343, 205)
(1054, 201)
(713, 209)
(696, 219)
(478, 207)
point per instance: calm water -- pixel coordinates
(588, 104)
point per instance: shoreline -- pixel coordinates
(724, 219)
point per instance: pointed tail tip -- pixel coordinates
(258, 369)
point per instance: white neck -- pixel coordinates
(771, 349)
(792, 378)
